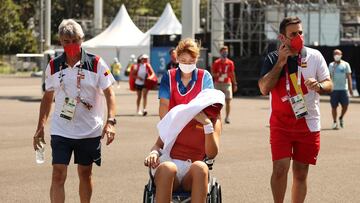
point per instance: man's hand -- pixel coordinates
(312, 84)
(284, 53)
(270, 79)
(38, 139)
(351, 92)
(234, 87)
(202, 118)
(109, 132)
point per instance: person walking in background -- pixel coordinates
(340, 72)
(142, 73)
(173, 62)
(294, 76)
(223, 72)
(132, 61)
(76, 80)
(116, 71)
(132, 75)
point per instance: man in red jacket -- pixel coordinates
(223, 72)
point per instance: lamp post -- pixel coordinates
(47, 24)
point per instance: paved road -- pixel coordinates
(243, 166)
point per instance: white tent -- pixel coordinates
(167, 24)
(120, 39)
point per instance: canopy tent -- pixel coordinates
(120, 39)
(167, 24)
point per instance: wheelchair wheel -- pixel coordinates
(215, 194)
(219, 198)
(148, 196)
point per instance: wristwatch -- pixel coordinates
(111, 121)
(321, 86)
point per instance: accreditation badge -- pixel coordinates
(223, 77)
(298, 105)
(68, 109)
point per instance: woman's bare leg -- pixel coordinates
(165, 181)
(196, 181)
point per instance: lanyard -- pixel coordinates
(287, 81)
(80, 75)
(287, 85)
(78, 79)
(299, 70)
(334, 69)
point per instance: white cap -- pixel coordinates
(144, 56)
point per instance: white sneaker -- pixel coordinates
(341, 121)
(140, 113)
(334, 126)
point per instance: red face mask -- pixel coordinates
(297, 43)
(213, 111)
(72, 50)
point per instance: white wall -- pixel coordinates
(329, 24)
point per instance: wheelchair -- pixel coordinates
(180, 196)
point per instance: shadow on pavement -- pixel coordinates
(135, 115)
(21, 98)
(328, 129)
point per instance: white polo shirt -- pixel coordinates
(318, 69)
(85, 123)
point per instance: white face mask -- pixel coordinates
(337, 57)
(187, 68)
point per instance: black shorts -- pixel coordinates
(339, 96)
(86, 151)
(139, 87)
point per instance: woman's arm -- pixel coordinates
(150, 71)
(152, 160)
(212, 132)
(159, 144)
(163, 107)
(212, 140)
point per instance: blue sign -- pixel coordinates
(159, 58)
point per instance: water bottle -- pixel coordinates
(40, 153)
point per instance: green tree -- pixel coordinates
(76, 9)
(155, 8)
(14, 37)
(27, 9)
(84, 9)
(64, 9)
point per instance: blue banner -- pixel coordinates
(159, 58)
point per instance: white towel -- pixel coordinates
(178, 117)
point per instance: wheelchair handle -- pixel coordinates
(209, 162)
(150, 174)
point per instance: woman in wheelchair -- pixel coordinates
(184, 167)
